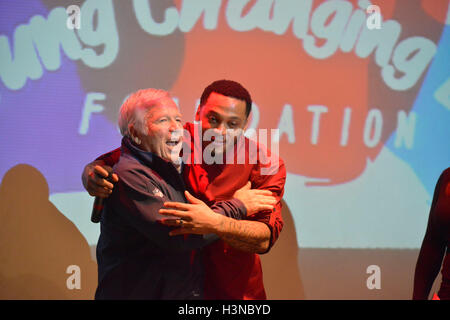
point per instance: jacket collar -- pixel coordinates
(165, 169)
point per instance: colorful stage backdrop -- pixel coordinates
(360, 95)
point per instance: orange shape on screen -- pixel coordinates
(437, 9)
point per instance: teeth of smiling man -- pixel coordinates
(172, 142)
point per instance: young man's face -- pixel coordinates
(222, 115)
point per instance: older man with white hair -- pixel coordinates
(137, 259)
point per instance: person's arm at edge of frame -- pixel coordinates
(430, 256)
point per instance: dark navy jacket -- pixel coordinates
(137, 259)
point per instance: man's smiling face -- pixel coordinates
(222, 114)
(164, 126)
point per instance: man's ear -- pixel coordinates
(133, 134)
(131, 130)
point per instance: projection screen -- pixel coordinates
(358, 90)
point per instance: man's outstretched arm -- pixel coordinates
(245, 235)
(95, 173)
(95, 181)
(198, 218)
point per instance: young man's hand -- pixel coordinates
(95, 181)
(255, 200)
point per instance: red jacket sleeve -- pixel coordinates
(110, 158)
(271, 177)
(433, 245)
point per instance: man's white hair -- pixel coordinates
(135, 109)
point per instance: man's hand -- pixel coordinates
(255, 200)
(195, 217)
(198, 218)
(94, 179)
